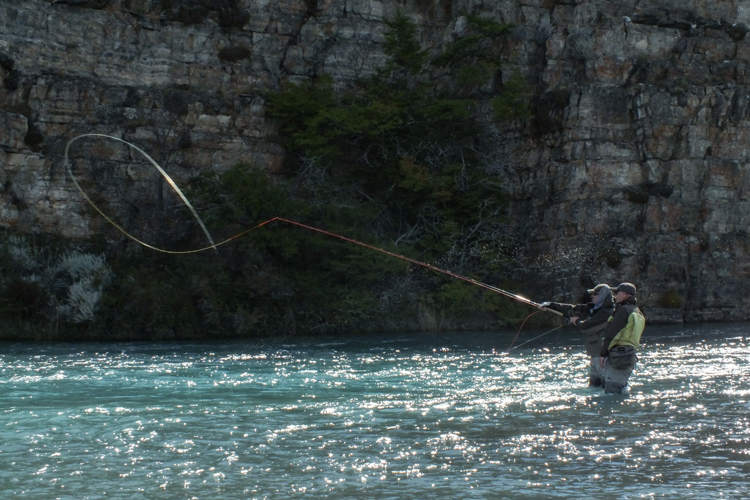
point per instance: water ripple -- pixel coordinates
(453, 416)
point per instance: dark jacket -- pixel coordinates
(592, 322)
(625, 327)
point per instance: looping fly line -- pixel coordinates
(215, 245)
(161, 171)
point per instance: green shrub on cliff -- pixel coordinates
(409, 142)
(395, 161)
(44, 284)
(77, 281)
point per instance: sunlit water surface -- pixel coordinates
(399, 417)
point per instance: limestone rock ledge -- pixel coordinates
(634, 166)
(637, 166)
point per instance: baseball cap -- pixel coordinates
(628, 288)
(598, 287)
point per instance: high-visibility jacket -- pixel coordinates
(625, 327)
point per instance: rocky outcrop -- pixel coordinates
(183, 79)
(638, 167)
(634, 166)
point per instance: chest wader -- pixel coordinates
(618, 367)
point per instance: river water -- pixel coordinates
(396, 417)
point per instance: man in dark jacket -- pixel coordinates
(620, 340)
(591, 319)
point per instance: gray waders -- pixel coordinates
(596, 372)
(618, 367)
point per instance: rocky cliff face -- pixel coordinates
(634, 166)
(638, 167)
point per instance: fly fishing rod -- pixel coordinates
(424, 264)
(214, 246)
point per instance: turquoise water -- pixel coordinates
(397, 417)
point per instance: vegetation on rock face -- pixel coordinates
(400, 161)
(406, 160)
(44, 284)
(411, 146)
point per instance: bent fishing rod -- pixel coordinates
(214, 246)
(423, 264)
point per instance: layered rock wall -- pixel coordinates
(638, 167)
(634, 166)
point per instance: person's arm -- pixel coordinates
(597, 323)
(580, 313)
(565, 309)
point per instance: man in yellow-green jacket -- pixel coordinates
(620, 339)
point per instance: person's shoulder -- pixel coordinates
(621, 308)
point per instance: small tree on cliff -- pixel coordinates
(408, 139)
(395, 160)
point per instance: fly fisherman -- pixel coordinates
(620, 340)
(591, 319)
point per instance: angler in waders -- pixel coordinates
(591, 319)
(620, 340)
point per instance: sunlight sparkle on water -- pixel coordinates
(452, 416)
